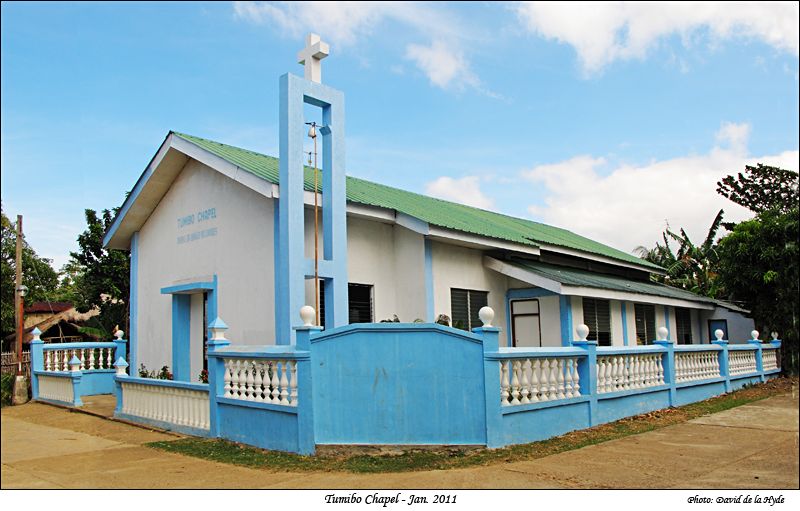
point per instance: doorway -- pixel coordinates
(526, 327)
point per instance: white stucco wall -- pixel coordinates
(617, 338)
(240, 253)
(550, 318)
(461, 267)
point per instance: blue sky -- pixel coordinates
(609, 120)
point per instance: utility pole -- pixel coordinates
(20, 382)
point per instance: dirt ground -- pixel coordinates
(751, 446)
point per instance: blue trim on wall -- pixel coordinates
(133, 333)
(189, 288)
(624, 305)
(429, 306)
(181, 316)
(565, 311)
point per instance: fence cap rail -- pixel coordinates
(77, 345)
(744, 347)
(154, 382)
(629, 350)
(281, 352)
(512, 353)
(698, 347)
(394, 328)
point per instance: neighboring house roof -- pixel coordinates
(563, 280)
(436, 212)
(70, 315)
(53, 307)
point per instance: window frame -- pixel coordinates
(648, 335)
(595, 328)
(524, 314)
(471, 318)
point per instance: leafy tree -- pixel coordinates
(761, 188)
(37, 274)
(692, 267)
(100, 277)
(759, 265)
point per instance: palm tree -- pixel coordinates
(692, 267)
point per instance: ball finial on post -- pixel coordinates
(119, 334)
(774, 336)
(486, 314)
(662, 333)
(307, 314)
(582, 331)
(719, 334)
(754, 335)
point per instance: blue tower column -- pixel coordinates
(291, 266)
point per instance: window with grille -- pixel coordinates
(683, 320)
(359, 298)
(597, 316)
(645, 323)
(464, 306)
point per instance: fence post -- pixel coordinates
(490, 339)
(669, 364)
(37, 361)
(121, 366)
(120, 347)
(588, 371)
(759, 362)
(306, 442)
(216, 372)
(724, 365)
(777, 343)
(75, 373)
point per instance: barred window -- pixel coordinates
(464, 306)
(597, 316)
(683, 320)
(645, 323)
(359, 303)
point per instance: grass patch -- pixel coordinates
(347, 459)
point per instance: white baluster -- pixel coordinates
(275, 382)
(258, 381)
(525, 389)
(617, 376)
(535, 368)
(568, 378)
(552, 380)
(515, 382)
(504, 385)
(601, 374)
(250, 387)
(293, 383)
(91, 358)
(228, 391)
(560, 379)
(576, 378)
(284, 385)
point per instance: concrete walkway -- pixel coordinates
(752, 446)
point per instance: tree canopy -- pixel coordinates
(761, 188)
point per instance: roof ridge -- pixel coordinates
(519, 230)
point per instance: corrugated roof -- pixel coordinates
(584, 278)
(436, 212)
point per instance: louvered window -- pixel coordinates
(683, 320)
(597, 316)
(464, 306)
(645, 323)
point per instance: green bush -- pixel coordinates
(7, 383)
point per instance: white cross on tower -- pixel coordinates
(311, 57)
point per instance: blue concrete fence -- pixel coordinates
(412, 384)
(63, 373)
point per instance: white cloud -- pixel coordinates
(465, 190)
(630, 205)
(346, 23)
(602, 33)
(443, 64)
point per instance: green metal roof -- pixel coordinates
(584, 278)
(436, 212)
